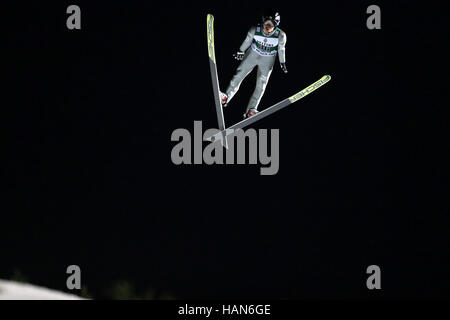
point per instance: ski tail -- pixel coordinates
(276, 107)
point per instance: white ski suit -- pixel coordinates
(262, 53)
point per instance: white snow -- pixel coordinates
(10, 290)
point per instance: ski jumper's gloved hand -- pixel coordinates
(239, 55)
(283, 67)
(246, 44)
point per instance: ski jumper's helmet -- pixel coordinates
(273, 16)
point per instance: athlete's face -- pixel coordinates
(268, 26)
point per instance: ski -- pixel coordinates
(214, 76)
(262, 114)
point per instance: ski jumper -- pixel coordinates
(264, 49)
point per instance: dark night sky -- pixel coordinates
(89, 178)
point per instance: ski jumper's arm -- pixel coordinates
(248, 40)
(281, 47)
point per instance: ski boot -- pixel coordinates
(250, 112)
(223, 99)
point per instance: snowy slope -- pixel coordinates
(10, 290)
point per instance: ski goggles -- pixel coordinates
(269, 24)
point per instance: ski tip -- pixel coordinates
(210, 19)
(310, 88)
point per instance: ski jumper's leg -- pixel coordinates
(242, 71)
(265, 66)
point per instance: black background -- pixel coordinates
(89, 179)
